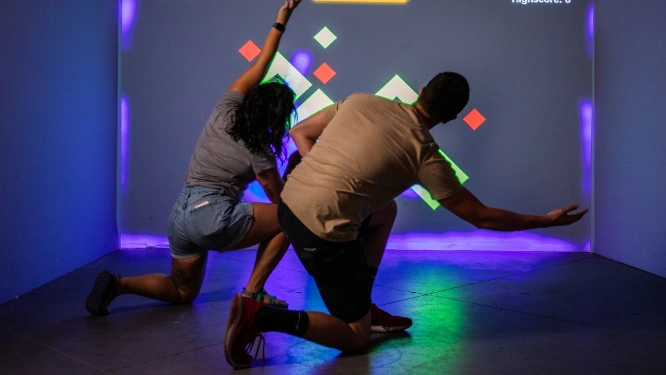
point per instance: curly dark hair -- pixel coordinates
(264, 118)
(445, 95)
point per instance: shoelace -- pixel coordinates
(250, 345)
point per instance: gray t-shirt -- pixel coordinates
(218, 161)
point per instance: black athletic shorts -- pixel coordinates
(339, 269)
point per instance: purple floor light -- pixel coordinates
(143, 241)
(481, 240)
(472, 240)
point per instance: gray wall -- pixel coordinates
(529, 66)
(58, 145)
(630, 96)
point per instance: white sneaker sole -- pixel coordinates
(381, 329)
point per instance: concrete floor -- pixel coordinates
(474, 313)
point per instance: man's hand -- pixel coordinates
(467, 207)
(561, 216)
(285, 12)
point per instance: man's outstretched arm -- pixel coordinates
(467, 207)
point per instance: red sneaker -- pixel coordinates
(381, 321)
(242, 333)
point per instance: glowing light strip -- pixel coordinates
(124, 140)
(282, 67)
(462, 176)
(472, 240)
(482, 240)
(127, 18)
(590, 21)
(127, 14)
(425, 195)
(589, 30)
(586, 123)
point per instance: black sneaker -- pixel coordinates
(102, 293)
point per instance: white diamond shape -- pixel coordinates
(398, 88)
(325, 37)
(315, 103)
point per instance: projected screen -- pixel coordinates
(522, 143)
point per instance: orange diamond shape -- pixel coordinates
(324, 73)
(250, 50)
(474, 119)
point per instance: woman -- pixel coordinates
(240, 143)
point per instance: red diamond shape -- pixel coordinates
(250, 50)
(324, 73)
(474, 119)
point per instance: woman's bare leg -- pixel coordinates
(182, 286)
(273, 244)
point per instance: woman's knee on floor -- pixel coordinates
(187, 296)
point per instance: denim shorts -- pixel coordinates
(207, 219)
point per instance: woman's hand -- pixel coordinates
(285, 12)
(255, 72)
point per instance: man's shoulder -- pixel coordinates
(366, 100)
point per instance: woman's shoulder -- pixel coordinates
(230, 99)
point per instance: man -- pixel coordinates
(358, 155)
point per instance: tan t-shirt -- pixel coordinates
(371, 151)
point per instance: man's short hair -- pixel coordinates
(445, 95)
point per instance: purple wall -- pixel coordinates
(630, 131)
(58, 114)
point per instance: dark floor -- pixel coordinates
(474, 313)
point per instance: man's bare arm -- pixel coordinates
(306, 133)
(467, 207)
